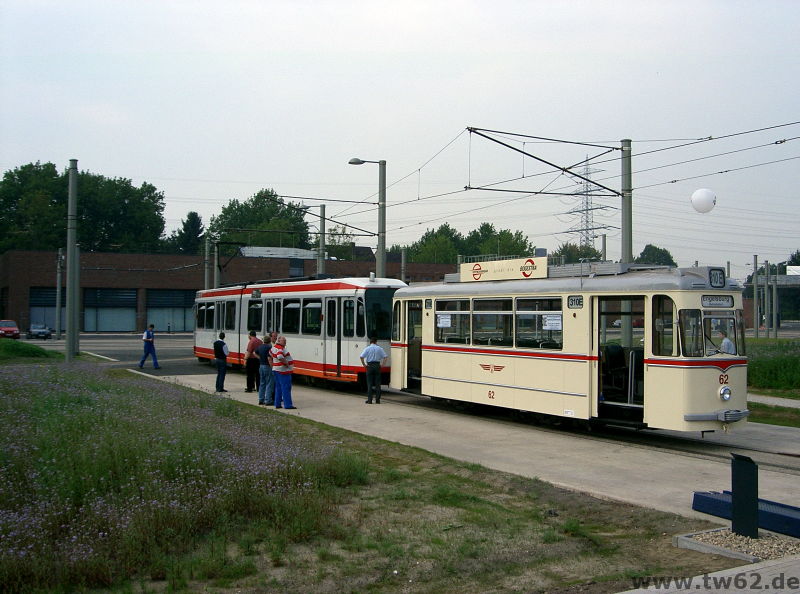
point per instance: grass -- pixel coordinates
(112, 482)
(773, 367)
(16, 350)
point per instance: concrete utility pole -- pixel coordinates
(321, 249)
(207, 264)
(73, 266)
(627, 202)
(756, 309)
(59, 271)
(766, 298)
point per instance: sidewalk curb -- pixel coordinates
(686, 541)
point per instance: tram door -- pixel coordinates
(414, 341)
(621, 327)
(332, 356)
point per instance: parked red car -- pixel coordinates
(9, 329)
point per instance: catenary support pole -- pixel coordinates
(73, 276)
(59, 272)
(756, 308)
(380, 267)
(321, 248)
(627, 203)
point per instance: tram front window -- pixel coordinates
(720, 336)
(379, 312)
(711, 334)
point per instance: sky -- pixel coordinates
(214, 101)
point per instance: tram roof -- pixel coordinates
(661, 279)
(325, 284)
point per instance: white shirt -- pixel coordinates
(373, 354)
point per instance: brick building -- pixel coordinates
(124, 292)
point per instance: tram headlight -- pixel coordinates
(725, 393)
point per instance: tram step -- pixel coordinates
(777, 517)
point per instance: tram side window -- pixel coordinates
(209, 316)
(539, 324)
(254, 314)
(452, 321)
(349, 318)
(230, 315)
(361, 325)
(493, 322)
(291, 316)
(665, 318)
(268, 325)
(312, 316)
(200, 315)
(331, 317)
(691, 328)
(396, 322)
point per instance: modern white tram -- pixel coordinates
(326, 322)
(621, 345)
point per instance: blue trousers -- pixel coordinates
(149, 349)
(266, 387)
(283, 389)
(222, 369)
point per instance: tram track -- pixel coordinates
(709, 447)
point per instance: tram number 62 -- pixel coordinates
(723, 378)
(491, 394)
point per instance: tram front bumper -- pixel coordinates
(726, 416)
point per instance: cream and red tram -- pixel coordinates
(611, 344)
(326, 322)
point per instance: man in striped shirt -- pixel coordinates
(282, 368)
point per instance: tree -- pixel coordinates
(189, 238)
(113, 215)
(572, 253)
(655, 255)
(264, 219)
(339, 243)
(794, 259)
(441, 246)
(486, 240)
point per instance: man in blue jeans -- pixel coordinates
(266, 386)
(149, 339)
(221, 359)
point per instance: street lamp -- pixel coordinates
(380, 256)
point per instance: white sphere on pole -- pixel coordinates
(703, 200)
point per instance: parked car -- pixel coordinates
(39, 331)
(9, 329)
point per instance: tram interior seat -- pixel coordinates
(550, 344)
(527, 342)
(614, 368)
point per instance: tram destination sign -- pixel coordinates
(493, 270)
(717, 300)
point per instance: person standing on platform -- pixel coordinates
(251, 362)
(282, 368)
(149, 339)
(266, 387)
(221, 359)
(373, 358)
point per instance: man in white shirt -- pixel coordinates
(373, 358)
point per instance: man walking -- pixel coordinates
(149, 338)
(221, 359)
(282, 368)
(373, 358)
(266, 387)
(251, 362)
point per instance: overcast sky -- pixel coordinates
(211, 101)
